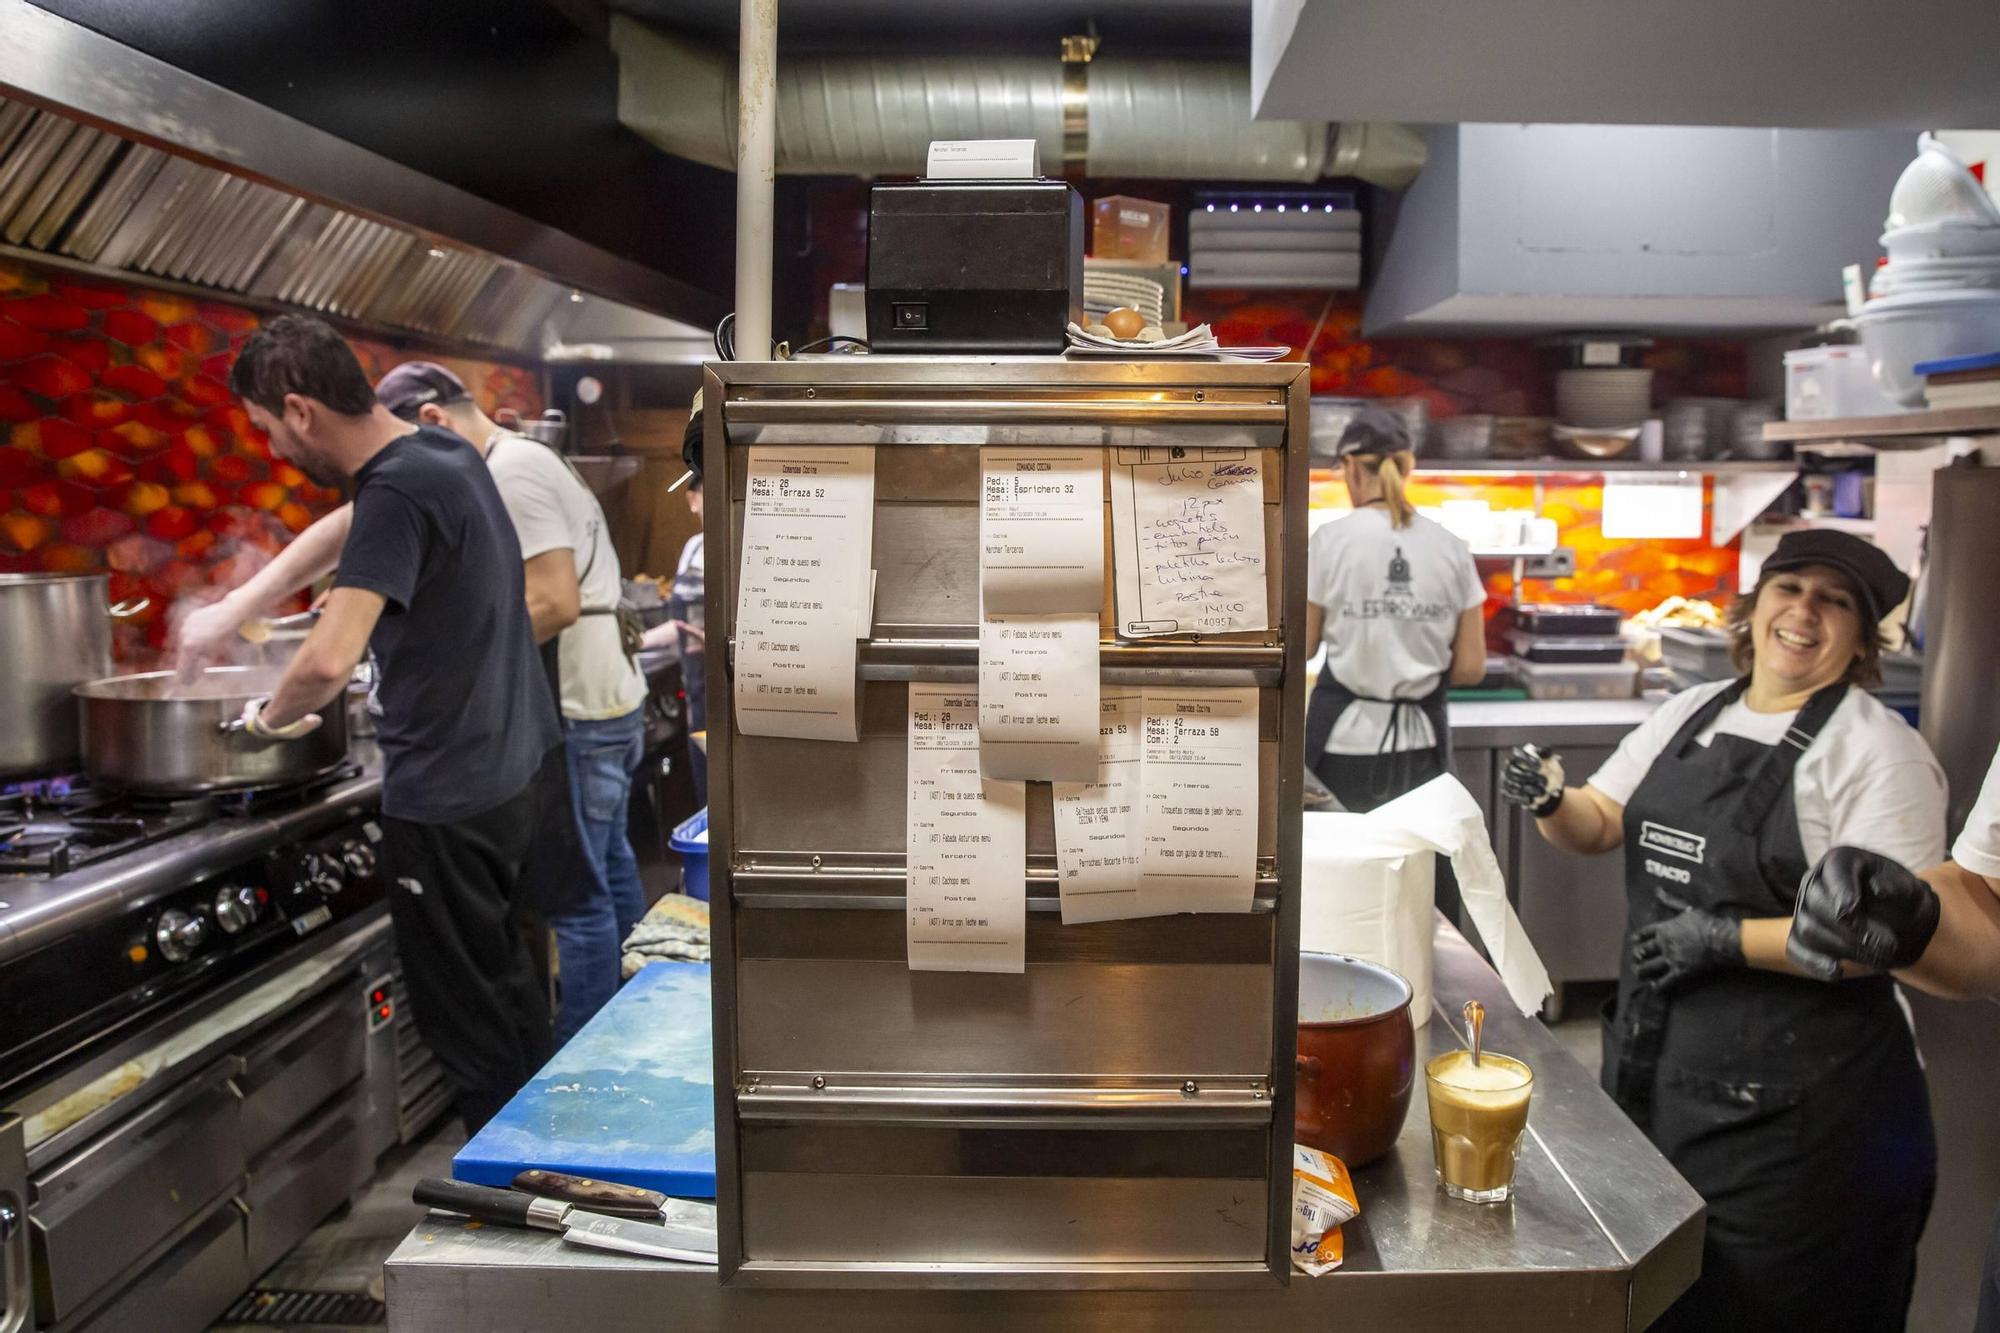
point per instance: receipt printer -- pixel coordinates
(974, 266)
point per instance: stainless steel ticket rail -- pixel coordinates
(1120, 1114)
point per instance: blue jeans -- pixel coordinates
(602, 757)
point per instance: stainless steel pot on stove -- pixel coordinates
(55, 633)
(155, 732)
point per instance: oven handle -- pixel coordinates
(14, 1226)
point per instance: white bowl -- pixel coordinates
(1902, 330)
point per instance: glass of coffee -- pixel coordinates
(1477, 1114)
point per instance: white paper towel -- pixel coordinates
(1369, 890)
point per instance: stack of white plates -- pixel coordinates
(1604, 397)
(1106, 291)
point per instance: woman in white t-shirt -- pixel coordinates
(1796, 1106)
(1397, 602)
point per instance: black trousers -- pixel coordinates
(455, 901)
(1989, 1285)
(1355, 780)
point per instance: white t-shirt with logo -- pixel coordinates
(1868, 780)
(1392, 598)
(1978, 845)
(552, 508)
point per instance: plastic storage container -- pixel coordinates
(1123, 227)
(1702, 654)
(1576, 648)
(691, 841)
(1550, 680)
(1563, 618)
(1824, 382)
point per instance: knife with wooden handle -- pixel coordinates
(597, 1196)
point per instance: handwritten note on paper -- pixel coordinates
(1188, 534)
(1198, 830)
(1097, 823)
(1041, 529)
(808, 524)
(965, 843)
(1038, 696)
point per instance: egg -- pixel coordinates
(1124, 322)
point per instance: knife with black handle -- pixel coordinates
(673, 1240)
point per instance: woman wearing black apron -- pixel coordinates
(1397, 602)
(1796, 1107)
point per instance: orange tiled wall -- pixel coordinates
(124, 451)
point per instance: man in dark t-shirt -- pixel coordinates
(430, 577)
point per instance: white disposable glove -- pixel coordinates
(253, 723)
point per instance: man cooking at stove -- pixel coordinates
(431, 578)
(1796, 1106)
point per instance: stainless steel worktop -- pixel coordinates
(1602, 1235)
(1505, 723)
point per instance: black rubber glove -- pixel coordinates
(1690, 944)
(1862, 907)
(1532, 780)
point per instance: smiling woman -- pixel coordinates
(1801, 628)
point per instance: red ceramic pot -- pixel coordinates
(1356, 1057)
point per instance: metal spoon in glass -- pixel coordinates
(1475, 1027)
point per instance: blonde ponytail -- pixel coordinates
(1391, 471)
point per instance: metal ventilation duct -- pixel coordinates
(859, 115)
(89, 196)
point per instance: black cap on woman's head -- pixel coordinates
(1867, 566)
(1376, 431)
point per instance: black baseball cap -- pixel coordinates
(1375, 431)
(1867, 566)
(409, 386)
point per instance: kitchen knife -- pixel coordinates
(688, 1244)
(597, 1196)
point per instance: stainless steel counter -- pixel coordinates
(1602, 1235)
(1552, 722)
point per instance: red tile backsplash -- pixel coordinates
(122, 450)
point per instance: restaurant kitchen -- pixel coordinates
(1618, 340)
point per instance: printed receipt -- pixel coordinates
(1188, 534)
(1041, 584)
(1097, 823)
(965, 843)
(803, 591)
(1198, 778)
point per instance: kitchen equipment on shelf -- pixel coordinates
(1550, 680)
(551, 428)
(1696, 653)
(1594, 441)
(1571, 648)
(1938, 188)
(1825, 382)
(1356, 1057)
(154, 732)
(1568, 618)
(1900, 331)
(57, 632)
(1941, 241)
(1607, 396)
(1329, 417)
(1746, 432)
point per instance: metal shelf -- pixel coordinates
(1582, 467)
(1937, 421)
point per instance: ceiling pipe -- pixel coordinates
(756, 176)
(867, 116)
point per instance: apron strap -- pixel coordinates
(1774, 775)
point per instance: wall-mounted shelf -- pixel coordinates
(1583, 467)
(1938, 421)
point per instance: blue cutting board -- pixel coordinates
(630, 1099)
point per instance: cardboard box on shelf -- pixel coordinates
(1123, 227)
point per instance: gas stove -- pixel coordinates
(59, 825)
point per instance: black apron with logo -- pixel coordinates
(1796, 1108)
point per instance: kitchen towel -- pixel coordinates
(1369, 888)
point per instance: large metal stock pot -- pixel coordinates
(156, 732)
(55, 633)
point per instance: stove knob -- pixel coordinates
(235, 908)
(358, 857)
(320, 874)
(178, 934)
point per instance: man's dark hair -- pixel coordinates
(302, 355)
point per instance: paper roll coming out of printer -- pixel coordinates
(1369, 887)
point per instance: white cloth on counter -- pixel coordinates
(1868, 780)
(1392, 598)
(1369, 889)
(1978, 845)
